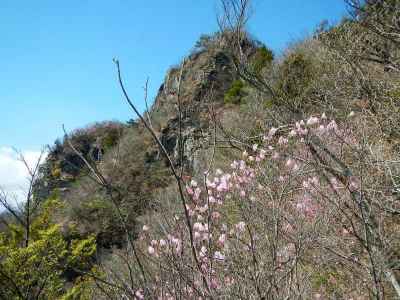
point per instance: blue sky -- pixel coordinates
(56, 58)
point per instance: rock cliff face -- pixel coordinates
(63, 166)
(128, 157)
(206, 76)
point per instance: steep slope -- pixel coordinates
(206, 76)
(128, 157)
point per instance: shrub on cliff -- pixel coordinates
(235, 93)
(261, 59)
(38, 269)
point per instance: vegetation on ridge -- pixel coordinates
(289, 192)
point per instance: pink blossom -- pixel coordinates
(242, 165)
(262, 153)
(307, 207)
(223, 186)
(224, 228)
(312, 121)
(145, 228)
(321, 129)
(151, 250)
(178, 245)
(211, 184)
(175, 240)
(282, 141)
(288, 228)
(221, 240)
(197, 193)
(332, 126)
(189, 290)
(290, 163)
(286, 252)
(206, 236)
(292, 133)
(211, 199)
(214, 284)
(302, 131)
(203, 209)
(197, 235)
(139, 294)
(203, 251)
(189, 190)
(275, 155)
(198, 226)
(315, 181)
(306, 184)
(240, 226)
(219, 256)
(234, 165)
(190, 211)
(272, 131)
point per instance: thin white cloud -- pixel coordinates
(13, 173)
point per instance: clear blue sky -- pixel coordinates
(56, 56)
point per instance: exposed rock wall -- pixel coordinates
(206, 76)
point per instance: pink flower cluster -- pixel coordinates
(282, 153)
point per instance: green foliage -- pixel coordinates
(36, 271)
(261, 59)
(330, 280)
(235, 93)
(110, 139)
(132, 123)
(296, 75)
(204, 41)
(80, 290)
(96, 216)
(26, 269)
(207, 42)
(394, 94)
(79, 249)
